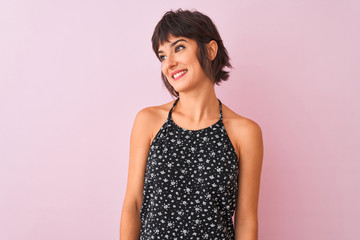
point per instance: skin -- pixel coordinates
(197, 108)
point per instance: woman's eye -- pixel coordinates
(179, 47)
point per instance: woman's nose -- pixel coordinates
(171, 61)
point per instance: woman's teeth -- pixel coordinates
(179, 73)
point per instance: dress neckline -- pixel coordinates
(194, 130)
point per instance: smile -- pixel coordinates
(179, 74)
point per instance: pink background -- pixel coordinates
(73, 75)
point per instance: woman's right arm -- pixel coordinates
(139, 147)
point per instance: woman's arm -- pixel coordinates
(250, 143)
(139, 146)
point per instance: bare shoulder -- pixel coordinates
(150, 119)
(241, 130)
(146, 124)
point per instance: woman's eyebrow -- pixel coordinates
(172, 44)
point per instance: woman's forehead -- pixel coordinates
(171, 39)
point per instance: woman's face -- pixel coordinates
(180, 64)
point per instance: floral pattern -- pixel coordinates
(191, 184)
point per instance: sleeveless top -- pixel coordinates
(191, 183)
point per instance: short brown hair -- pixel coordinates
(197, 26)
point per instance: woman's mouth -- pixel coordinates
(178, 75)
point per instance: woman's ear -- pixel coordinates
(212, 48)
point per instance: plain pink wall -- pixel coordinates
(73, 75)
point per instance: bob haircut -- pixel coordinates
(199, 27)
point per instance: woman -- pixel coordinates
(187, 174)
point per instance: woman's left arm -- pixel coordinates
(250, 145)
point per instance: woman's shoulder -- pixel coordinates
(237, 120)
(155, 112)
(152, 118)
(240, 129)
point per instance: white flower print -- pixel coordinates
(190, 182)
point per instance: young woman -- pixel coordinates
(193, 161)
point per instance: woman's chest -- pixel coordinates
(197, 160)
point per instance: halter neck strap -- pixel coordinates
(170, 111)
